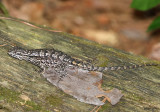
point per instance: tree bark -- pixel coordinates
(23, 88)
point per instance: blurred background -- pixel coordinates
(110, 22)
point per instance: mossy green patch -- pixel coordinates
(13, 97)
(32, 106)
(135, 97)
(105, 107)
(9, 95)
(54, 100)
(102, 60)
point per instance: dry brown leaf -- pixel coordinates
(83, 85)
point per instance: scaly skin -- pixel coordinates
(45, 58)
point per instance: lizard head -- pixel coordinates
(18, 53)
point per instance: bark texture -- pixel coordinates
(23, 88)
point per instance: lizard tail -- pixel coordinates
(115, 68)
